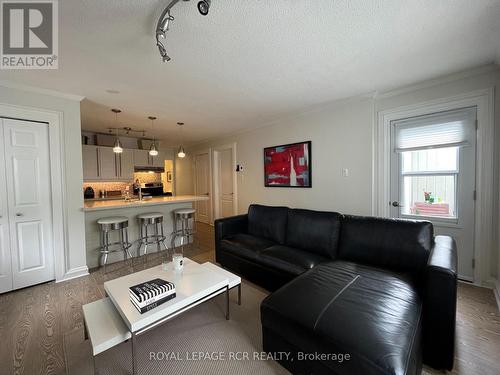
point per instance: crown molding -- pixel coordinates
(38, 90)
(484, 69)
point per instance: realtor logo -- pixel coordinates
(29, 34)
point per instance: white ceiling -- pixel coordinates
(250, 62)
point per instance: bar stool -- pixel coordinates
(146, 220)
(183, 215)
(108, 225)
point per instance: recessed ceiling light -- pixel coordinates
(110, 91)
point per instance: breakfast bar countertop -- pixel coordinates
(155, 201)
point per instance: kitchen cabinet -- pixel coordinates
(143, 159)
(109, 170)
(90, 162)
(100, 163)
(159, 160)
(126, 163)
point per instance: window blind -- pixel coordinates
(445, 129)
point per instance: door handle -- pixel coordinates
(19, 214)
(396, 204)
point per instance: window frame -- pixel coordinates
(445, 221)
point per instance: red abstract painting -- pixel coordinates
(288, 165)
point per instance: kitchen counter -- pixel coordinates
(98, 205)
(94, 210)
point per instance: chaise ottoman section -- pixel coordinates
(342, 308)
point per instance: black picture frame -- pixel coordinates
(309, 171)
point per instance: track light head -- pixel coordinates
(163, 51)
(204, 7)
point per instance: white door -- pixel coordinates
(202, 186)
(26, 149)
(225, 183)
(5, 255)
(433, 172)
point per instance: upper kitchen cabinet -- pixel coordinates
(90, 162)
(159, 160)
(127, 164)
(142, 158)
(101, 163)
(109, 168)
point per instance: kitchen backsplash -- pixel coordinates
(144, 178)
(97, 186)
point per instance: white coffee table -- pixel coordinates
(196, 284)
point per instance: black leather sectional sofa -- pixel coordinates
(382, 291)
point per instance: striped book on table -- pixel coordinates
(150, 294)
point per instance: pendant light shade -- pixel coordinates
(153, 151)
(181, 153)
(117, 148)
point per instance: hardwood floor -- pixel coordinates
(33, 321)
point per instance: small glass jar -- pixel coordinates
(178, 259)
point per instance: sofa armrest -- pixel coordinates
(440, 303)
(228, 226)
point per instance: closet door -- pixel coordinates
(5, 256)
(27, 166)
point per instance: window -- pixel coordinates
(427, 150)
(429, 182)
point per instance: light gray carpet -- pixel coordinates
(202, 329)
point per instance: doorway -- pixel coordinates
(224, 171)
(202, 185)
(26, 220)
(433, 176)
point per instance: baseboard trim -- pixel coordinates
(74, 273)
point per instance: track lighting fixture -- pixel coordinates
(117, 147)
(164, 21)
(153, 151)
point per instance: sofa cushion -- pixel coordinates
(268, 222)
(245, 245)
(314, 231)
(342, 307)
(394, 244)
(289, 259)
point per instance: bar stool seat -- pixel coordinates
(185, 211)
(150, 215)
(183, 215)
(157, 238)
(110, 224)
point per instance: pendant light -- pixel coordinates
(117, 148)
(153, 151)
(181, 153)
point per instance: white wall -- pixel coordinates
(184, 182)
(342, 137)
(74, 226)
